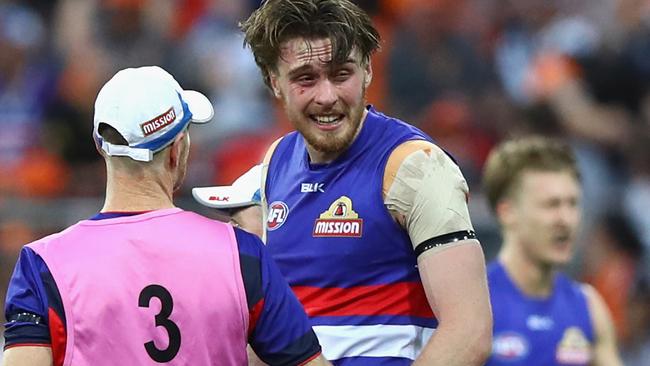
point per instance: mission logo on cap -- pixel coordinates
(148, 107)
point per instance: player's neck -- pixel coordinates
(531, 277)
(140, 195)
(319, 157)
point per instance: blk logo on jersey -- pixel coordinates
(311, 187)
(574, 348)
(509, 346)
(278, 212)
(340, 220)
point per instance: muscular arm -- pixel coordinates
(455, 283)
(605, 351)
(427, 194)
(27, 356)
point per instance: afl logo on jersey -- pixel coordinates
(340, 220)
(509, 346)
(278, 212)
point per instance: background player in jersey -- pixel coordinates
(540, 316)
(365, 216)
(144, 282)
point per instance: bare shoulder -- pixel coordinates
(605, 347)
(594, 299)
(600, 315)
(270, 150)
(265, 173)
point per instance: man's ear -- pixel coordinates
(275, 87)
(367, 69)
(505, 212)
(176, 150)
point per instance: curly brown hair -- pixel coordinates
(276, 21)
(507, 162)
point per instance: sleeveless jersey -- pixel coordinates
(349, 263)
(532, 331)
(147, 306)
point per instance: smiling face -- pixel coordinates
(324, 101)
(542, 216)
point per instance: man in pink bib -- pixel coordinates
(144, 282)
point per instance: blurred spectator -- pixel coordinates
(611, 267)
(636, 197)
(455, 127)
(470, 73)
(529, 29)
(216, 61)
(636, 352)
(26, 81)
(94, 39)
(431, 59)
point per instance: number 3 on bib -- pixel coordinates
(162, 320)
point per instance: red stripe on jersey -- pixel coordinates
(407, 298)
(58, 336)
(254, 316)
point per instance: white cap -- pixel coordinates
(245, 191)
(148, 107)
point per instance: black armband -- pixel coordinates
(444, 239)
(25, 318)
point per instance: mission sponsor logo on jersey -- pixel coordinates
(278, 212)
(340, 220)
(574, 348)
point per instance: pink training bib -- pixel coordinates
(160, 287)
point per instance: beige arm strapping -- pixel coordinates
(426, 192)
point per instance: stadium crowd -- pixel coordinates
(470, 73)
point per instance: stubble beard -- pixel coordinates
(331, 143)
